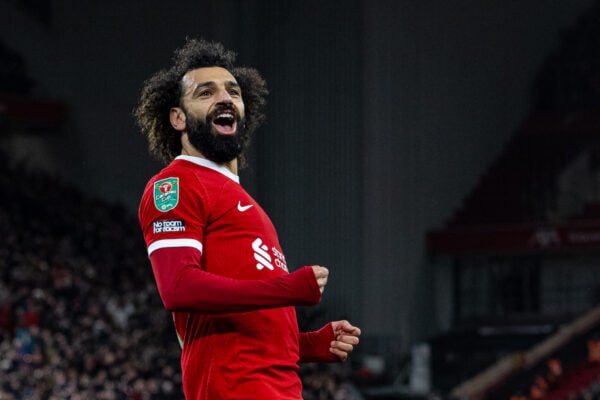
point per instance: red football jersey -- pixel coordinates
(197, 207)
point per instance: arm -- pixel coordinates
(314, 346)
(331, 343)
(182, 285)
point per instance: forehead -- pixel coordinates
(206, 74)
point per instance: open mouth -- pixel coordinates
(225, 122)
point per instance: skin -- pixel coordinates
(204, 89)
(346, 337)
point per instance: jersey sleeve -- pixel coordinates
(183, 286)
(172, 213)
(314, 346)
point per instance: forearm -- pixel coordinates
(182, 285)
(314, 346)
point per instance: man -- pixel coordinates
(215, 254)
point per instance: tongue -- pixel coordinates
(224, 129)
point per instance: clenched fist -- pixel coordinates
(345, 339)
(321, 274)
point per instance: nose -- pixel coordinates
(223, 96)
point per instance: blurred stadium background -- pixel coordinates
(441, 158)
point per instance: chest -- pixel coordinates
(240, 240)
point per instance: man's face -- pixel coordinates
(214, 110)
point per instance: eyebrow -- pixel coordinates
(202, 85)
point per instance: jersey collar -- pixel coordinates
(210, 164)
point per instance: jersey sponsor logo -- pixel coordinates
(279, 259)
(166, 194)
(264, 259)
(168, 225)
(242, 208)
(261, 255)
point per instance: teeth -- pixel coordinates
(228, 116)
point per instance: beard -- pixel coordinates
(215, 147)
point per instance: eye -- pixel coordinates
(235, 92)
(205, 93)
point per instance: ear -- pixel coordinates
(177, 118)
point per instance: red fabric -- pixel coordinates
(314, 346)
(220, 268)
(183, 286)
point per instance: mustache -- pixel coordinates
(219, 108)
(224, 106)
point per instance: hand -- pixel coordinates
(321, 274)
(346, 337)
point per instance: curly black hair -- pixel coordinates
(163, 90)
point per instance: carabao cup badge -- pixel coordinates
(166, 194)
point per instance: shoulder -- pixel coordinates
(176, 176)
(172, 186)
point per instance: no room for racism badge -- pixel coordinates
(166, 194)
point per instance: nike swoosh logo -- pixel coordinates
(242, 208)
